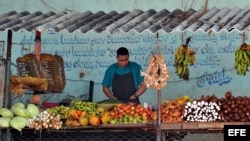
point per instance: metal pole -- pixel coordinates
(7, 100)
(159, 116)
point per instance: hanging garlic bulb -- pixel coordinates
(156, 74)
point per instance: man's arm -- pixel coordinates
(142, 88)
(108, 93)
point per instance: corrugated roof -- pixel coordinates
(203, 19)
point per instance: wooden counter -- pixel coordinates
(199, 125)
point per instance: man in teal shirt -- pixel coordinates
(122, 80)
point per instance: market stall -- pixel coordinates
(181, 115)
(173, 117)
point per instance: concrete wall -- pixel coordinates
(92, 53)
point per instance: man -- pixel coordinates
(122, 80)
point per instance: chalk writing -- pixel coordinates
(67, 65)
(230, 37)
(207, 49)
(51, 41)
(27, 40)
(74, 40)
(231, 48)
(218, 77)
(94, 52)
(141, 50)
(86, 64)
(123, 39)
(204, 37)
(98, 52)
(111, 52)
(208, 60)
(63, 52)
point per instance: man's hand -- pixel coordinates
(133, 96)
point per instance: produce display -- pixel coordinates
(35, 99)
(235, 108)
(44, 120)
(129, 113)
(108, 104)
(18, 84)
(156, 74)
(83, 113)
(17, 116)
(202, 111)
(171, 111)
(242, 59)
(184, 56)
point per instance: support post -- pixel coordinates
(5, 135)
(158, 130)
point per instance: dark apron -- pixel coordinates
(123, 87)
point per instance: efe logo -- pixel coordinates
(241, 132)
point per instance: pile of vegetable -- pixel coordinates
(45, 120)
(17, 116)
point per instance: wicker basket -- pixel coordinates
(27, 65)
(53, 69)
(50, 66)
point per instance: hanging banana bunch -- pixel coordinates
(242, 59)
(156, 74)
(184, 56)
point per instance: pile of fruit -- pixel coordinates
(78, 113)
(242, 59)
(129, 113)
(184, 56)
(171, 111)
(82, 113)
(206, 109)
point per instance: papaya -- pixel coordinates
(106, 117)
(94, 120)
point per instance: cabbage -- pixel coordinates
(18, 123)
(4, 112)
(4, 122)
(20, 111)
(18, 104)
(33, 110)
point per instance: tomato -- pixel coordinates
(132, 112)
(112, 113)
(144, 114)
(132, 107)
(136, 115)
(144, 118)
(125, 107)
(120, 116)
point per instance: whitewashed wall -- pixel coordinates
(92, 53)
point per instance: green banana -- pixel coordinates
(242, 59)
(184, 56)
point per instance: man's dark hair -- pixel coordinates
(122, 51)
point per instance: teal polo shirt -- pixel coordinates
(131, 67)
